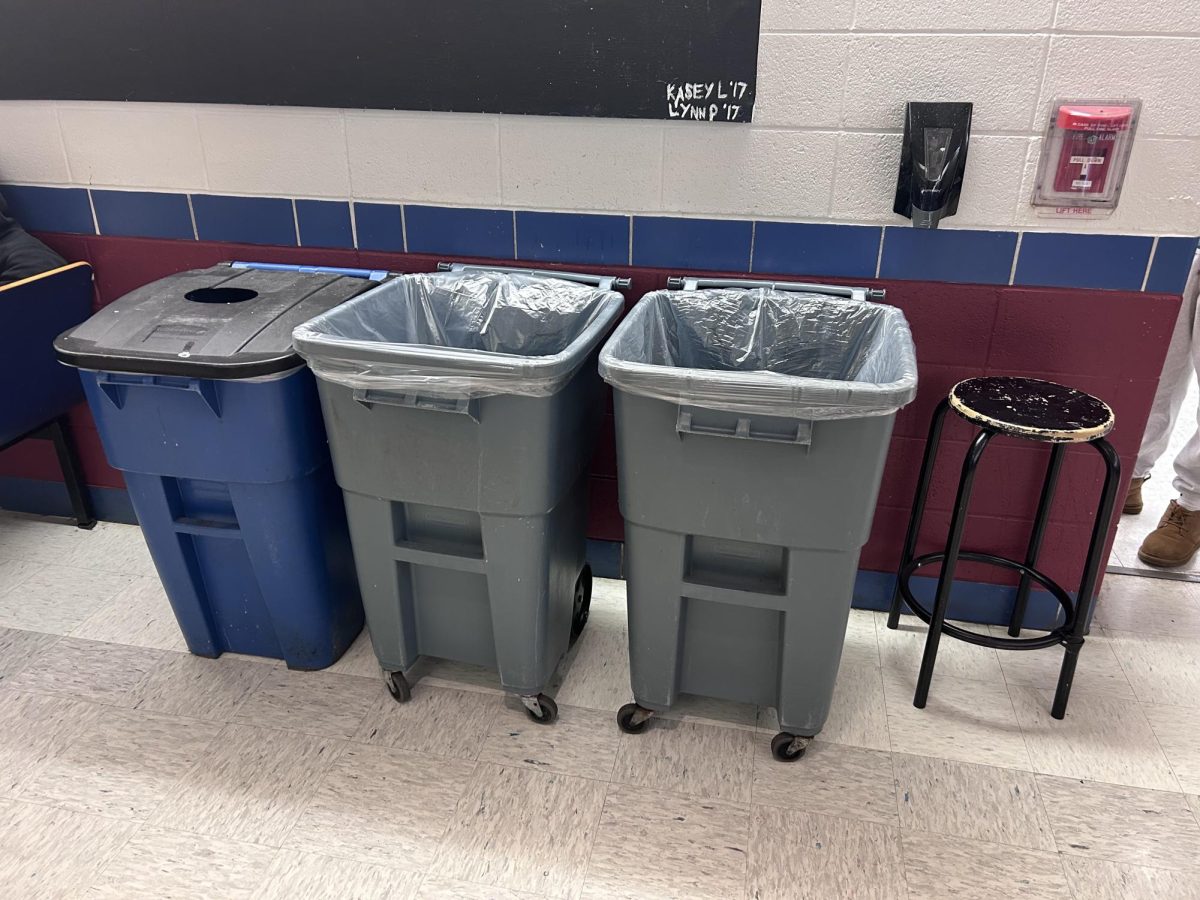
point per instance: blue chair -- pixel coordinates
(39, 390)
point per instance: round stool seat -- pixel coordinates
(1032, 408)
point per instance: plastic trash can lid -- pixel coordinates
(220, 322)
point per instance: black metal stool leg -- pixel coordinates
(1035, 539)
(918, 510)
(81, 503)
(1091, 571)
(946, 580)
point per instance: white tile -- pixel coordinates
(382, 806)
(733, 170)
(19, 648)
(139, 614)
(858, 711)
(436, 888)
(109, 547)
(57, 598)
(158, 863)
(961, 800)
(806, 15)
(791, 90)
(998, 73)
(186, 685)
(89, 670)
(358, 660)
(561, 163)
(1154, 605)
(32, 150)
(1161, 72)
(979, 15)
(830, 779)
(311, 702)
(1121, 824)
(522, 830)
(1101, 739)
(33, 539)
(308, 876)
(1177, 729)
(940, 867)
(901, 651)
(1173, 17)
(1097, 672)
(862, 639)
(688, 758)
(251, 786)
(1161, 668)
(1095, 879)
(14, 571)
(653, 844)
(140, 145)
(34, 729)
(595, 672)
(436, 720)
(580, 742)
(424, 157)
(801, 856)
(864, 184)
(276, 151)
(52, 853)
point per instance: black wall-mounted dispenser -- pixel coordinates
(932, 161)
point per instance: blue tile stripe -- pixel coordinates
(1036, 258)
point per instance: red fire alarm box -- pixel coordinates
(1084, 155)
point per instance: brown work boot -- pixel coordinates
(1133, 498)
(1174, 541)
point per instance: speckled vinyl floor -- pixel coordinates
(129, 769)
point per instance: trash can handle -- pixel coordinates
(604, 282)
(115, 384)
(692, 283)
(369, 274)
(461, 405)
(744, 429)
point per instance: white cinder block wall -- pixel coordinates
(824, 146)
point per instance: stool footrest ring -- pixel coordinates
(1055, 637)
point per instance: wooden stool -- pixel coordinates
(1038, 411)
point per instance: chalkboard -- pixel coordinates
(652, 59)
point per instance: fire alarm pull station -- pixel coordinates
(1084, 156)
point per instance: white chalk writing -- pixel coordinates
(706, 101)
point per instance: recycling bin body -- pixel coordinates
(467, 500)
(230, 476)
(742, 528)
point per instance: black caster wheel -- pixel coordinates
(541, 709)
(633, 719)
(397, 686)
(787, 747)
(583, 603)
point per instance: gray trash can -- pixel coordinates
(462, 409)
(753, 421)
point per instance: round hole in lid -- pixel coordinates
(220, 295)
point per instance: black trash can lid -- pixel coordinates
(220, 322)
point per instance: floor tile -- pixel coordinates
(830, 779)
(139, 614)
(1121, 824)
(862, 642)
(711, 711)
(456, 675)
(251, 786)
(56, 598)
(122, 764)
(433, 888)
(687, 758)
(383, 806)
(581, 742)
(358, 660)
(36, 539)
(159, 863)
(1098, 671)
(900, 652)
(970, 721)
(34, 729)
(803, 856)
(522, 830)
(52, 853)
(186, 685)
(940, 866)
(14, 571)
(436, 720)
(1178, 731)
(311, 702)
(1153, 605)
(18, 647)
(1161, 668)
(1095, 879)
(654, 844)
(89, 670)
(307, 876)
(858, 711)
(595, 672)
(984, 803)
(1194, 802)
(111, 547)
(1101, 739)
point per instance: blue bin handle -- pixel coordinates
(114, 385)
(369, 274)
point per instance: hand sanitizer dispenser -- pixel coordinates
(932, 161)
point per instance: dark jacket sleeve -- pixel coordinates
(21, 254)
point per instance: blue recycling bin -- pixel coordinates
(202, 404)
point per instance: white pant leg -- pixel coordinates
(1187, 463)
(1173, 384)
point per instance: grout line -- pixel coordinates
(62, 143)
(514, 221)
(1150, 263)
(296, 222)
(192, 215)
(879, 256)
(753, 233)
(354, 225)
(404, 227)
(1012, 272)
(631, 218)
(92, 207)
